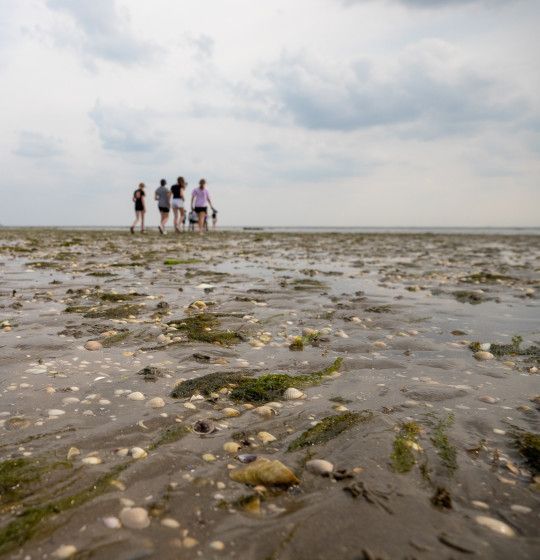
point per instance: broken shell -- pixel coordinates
(266, 437)
(231, 446)
(482, 356)
(319, 466)
(91, 461)
(156, 402)
(134, 518)
(495, 525)
(266, 472)
(73, 452)
(198, 305)
(93, 345)
(204, 427)
(230, 412)
(138, 453)
(265, 411)
(292, 393)
(136, 396)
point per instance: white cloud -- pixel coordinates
(35, 145)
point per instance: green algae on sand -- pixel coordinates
(207, 384)
(174, 262)
(329, 428)
(528, 445)
(203, 327)
(170, 435)
(118, 312)
(402, 457)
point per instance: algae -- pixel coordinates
(114, 339)
(207, 384)
(113, 297)
(118, 312)
(513, 349)
(329, 428)
(169, 435)
(203, 327)
(528, 445)
(447, 452)
(78, 308)
(402, 457)
(173, 262)
(380, 309)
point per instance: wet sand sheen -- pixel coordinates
(269, 395)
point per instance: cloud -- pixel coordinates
(34, 145)
(426, 3)
(129, 132)
(102, 32)
(429, 86)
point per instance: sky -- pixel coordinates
(298, 113)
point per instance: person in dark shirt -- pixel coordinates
(140, 208)
(177, 202)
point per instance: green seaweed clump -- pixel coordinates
(170, 435)
(119, 312)
(467, 296)
(297, 345)
(114, 339)
(111, 296)
(380, 309)
(203, 328)
(329, 428)
(486, 278)
(528, 445)
(402, 456)
(173, 262)
(447, 452)
(512, 349)
(299, 342)
(206, 384)
(270, 387)
(77, 308)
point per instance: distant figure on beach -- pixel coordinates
(140, 208)
(163, 197)
(178, 197)
(214, 218)
(200, 200)
(193, 220)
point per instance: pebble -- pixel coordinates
(65, 551)
(482, 355)
(379, 344)
(266, 437)
(169, 522)
(217, 545)
(190, 406)
(190, 542)
(138, 453)
(231, 447)
(56, 412)
(495, 525)
(230, 412)
(292, 393)
(112, 522)
(319, 466)
(488, 399)
(480, 505)
(342, 334)
(134, 518)
(92, 460)
(516, 508)
(93, 345)
(156, 402)
(136, 396)
(209, 458)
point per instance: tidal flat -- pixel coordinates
(269, 396)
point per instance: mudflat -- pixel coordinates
(259, 395)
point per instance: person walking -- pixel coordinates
(200, 200)
(163, 197)
(178, 197)
(140, 208)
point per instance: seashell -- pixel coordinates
(230, 412)
(292, 393)
(138, 453)
(198, 304)
(209, 458)
(92, 460)
(480, 505)
(488, 399)
(170, 523)
(265, 411)
(204, 427)
(93, 345)
(340, 408)
(247, 458)
(17, 423)
(134, 518)
(112, 522)
(495, 525)
(56, 412)
(217, 545)
(516, 508)
(485, 346)
(231, 446)
(379, 344)
(342, 334)
(189, 542)
(190, 406)
(266, 437)
(122, 452)
(482, 355)
(70, 400)
(319, 466)
(265, 472)
(72, 452)
(156, 402)
(65, 551)
(136, 396)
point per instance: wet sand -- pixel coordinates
(403, 350)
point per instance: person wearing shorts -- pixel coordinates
(140, 208)
(200, 200)
(177, 202)
(163, 197)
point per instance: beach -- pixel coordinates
(269, 395)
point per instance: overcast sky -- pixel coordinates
(304, 112)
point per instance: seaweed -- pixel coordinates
(467, 296)
(170, 435)
(402, 457)
(528, 445)
(206, 384)
(119, 312)
(447, 452)
(486, 278)
(512, 349)
(78, 308)
(271, 386)
(307, 284)
(114, 339)
(329, 428)
(299, 342)
(174, 262)
(203, 327)
(379, 309)
(113, 297)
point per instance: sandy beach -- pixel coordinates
(269, 396)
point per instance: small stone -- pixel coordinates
(92, 460)
(170, 523)
(266, 437)
(379, 344)
(231, 447)
(342, 334)
(93, 345)
(65, 551)
(217, 545)
(134, 518)
(156, 402)
(480, 505)
(230, 412)
(495, 525)
(190, 406)
(70, 400)
(319, 466)
(516, 508)
(209, 458)
(136, 396)
(112, 522)
(488, 399)
(56, 412)
(482, 355)
(265, 411)
(138, 453)
(190, 542)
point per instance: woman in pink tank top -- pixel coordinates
(200, 200)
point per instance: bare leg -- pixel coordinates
(175, 219)
(142, 220)
(202, 216)
(182, 217)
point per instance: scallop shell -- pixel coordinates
(136, 396)
(93, 345)
(265, 411)
(482, 355)
(134, 518)
(292, 393)
(266, 437)
(319, 466)
(495, 525)
(230, 412)
(138, 453)
(231, 446)
(265, 472)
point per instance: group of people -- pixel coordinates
(175, 198)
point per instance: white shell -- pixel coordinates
(266, 437)
(134, 518)
(495, 525)
(91, 460)
(319, 466)
(488, 399)
(230, 412)
(265, 411)
(291, 394)
(169, 522)
(65, 551)
(485, 346)
(156, 402)
(379, 344)
(72, 452)
(136, 396)
(231, 446)
(482, 356)
(93, 345)
(56, 412)
(70, 400)
(112, 522)
(138, 453)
